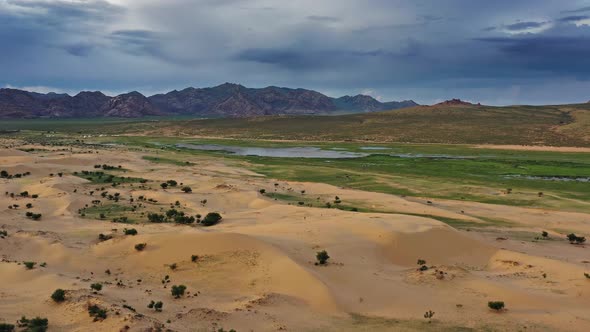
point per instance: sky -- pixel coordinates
(499, 52)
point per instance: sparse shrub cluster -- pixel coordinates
(34, 216)
(574, 239)
(36, 324)
(157, 306)
(97, 312)
(5, 175)
(107, 167)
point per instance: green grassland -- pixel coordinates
(482, 175)
(433, 165)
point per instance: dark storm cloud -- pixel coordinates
(426, 50)
(574, 18)
(59, 13)
(525, 25)
(579, 10)
(564, 55)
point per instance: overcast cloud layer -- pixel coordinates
(495, 52)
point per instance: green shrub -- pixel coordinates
(322, 257)
(96, 286)
(4, 327)
(36, 324)
(156, 305)
(496, 305)
(59, 295)
(97, 312)
(211, 219)
(131, 231)
(30, 265)
(178, 290)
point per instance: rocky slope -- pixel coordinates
(226, 100)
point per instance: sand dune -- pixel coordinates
(256, 269)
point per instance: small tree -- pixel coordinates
(178, 290)
(96, 286)
(421, 262)
(164, 185)
(59, 295)
(140, 246)
(544, 234)
(187, 189)
(428, 315)
(194, 258)
(262, 191)
(587, 275)
(496, 305)
(322, 257)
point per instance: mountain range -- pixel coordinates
(225, 100)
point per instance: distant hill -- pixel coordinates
(453, 123)
(225, 100)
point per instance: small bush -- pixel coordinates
(131, 231)
(322, 257)
(59, 295)
(36, 324)
(587, 275)
(156, 305)
(428, 315)
(104, 237)
(496, 305)
(211, 219)
(573, 238)
(96, 286)
(4, 327)
(30, 265)
(194, 258)
(178, 291)
(97, 312)
(140, 246)
(421, 262)
(187, 189)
